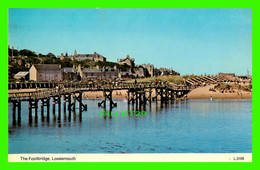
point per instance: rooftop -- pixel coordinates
(90, 70)
(22, 73)
(69, 70)
(47, 66)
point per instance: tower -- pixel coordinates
(61, 56)
(75, 53)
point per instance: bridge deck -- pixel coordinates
(79, 88)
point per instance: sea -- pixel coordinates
(192, 126)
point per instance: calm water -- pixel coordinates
(195, 126)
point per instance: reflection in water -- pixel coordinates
(168, 127)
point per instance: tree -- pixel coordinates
(15, 52)
(26, 52)
(51, 55)
(66, 62)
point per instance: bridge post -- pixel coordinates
(69, 107)
(36, 110)
(74, 104)
(144, 98)
(167, 93)
(53, 109)
(59, 107)
(64, 107)
(149, 98)
(136, 97)
(42, 110)
(48, 109)
(19, 112)
(30, 112)
(80, 106)
(128, 100)
(64, 103)
(105, 99)
(14, 113)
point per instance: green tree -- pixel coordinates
(51, 55)
(26, 52)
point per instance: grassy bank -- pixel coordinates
(170, 79)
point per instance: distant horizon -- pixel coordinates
(190, 41)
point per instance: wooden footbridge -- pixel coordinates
(139, 94)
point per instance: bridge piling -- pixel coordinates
(35, 110)
(53, 109)
(64, 104)
(14, 113)
(59, 108)
(30, 112)
(107, 94)
(42, 110)
(48, 109)
(69, 107)
(19, 112)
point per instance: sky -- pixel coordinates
(190, 41)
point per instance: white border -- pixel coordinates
(171, 157)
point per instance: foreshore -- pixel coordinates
(198, 93)
(205, 93)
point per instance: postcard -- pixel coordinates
(130, 85)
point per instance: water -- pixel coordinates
(195, 126)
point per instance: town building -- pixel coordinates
(109, 74)
(79, 57)
(129, 61)
(69, 74)
(150, 69)
(46, 72)
(227, 74)
(126, 75)
(97, 74)
(139, 72)
(89, 73)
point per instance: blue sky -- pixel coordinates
(188, 40)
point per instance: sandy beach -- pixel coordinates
(204, 93)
